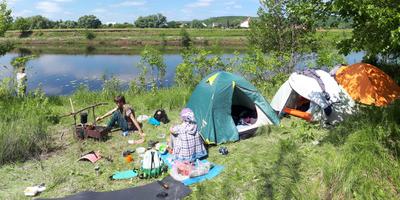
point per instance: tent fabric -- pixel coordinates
(368, 84)
(309, 88)
(212, 99)
(313, 74)
(176, 190)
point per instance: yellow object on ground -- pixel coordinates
(368, 84)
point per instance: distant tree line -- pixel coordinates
(150, 21)
(40, 22)
(89, 21)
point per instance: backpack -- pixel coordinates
(161, 116)
(152, 166)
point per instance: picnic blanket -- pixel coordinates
(215, 171)
(124, 175)
(176, 190)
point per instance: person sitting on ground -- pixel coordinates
(185, 141)
(123, 116)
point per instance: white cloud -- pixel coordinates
(48, 7)
(129, 3)
(62, 1)
(237, 6)
(11, 2)
(200, 3)
(99, 10)
(22, 13)
(230, 3)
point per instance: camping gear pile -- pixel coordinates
(160, 116)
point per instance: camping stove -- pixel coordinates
(84, 131)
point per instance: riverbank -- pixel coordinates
(129, 37)
(141, 37)
(293, 160)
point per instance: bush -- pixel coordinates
(198, 63)
(152, 62)
(23, 126)
(90, 35)
(112, 87)
(185, 38)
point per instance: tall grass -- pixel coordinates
(25, 121)
(23, 126)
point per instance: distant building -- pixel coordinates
(110, 23)
(245, 23)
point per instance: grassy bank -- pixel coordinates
(356, 160)
(140, 37)
(126, 37)
(109, 49)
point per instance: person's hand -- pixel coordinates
(141, 133)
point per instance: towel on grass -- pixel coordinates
(215, 171)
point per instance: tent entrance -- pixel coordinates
(298, 102)
(243, 110)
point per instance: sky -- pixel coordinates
(128, 10)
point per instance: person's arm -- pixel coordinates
(106, 115)
(136, 123)
(174, 130)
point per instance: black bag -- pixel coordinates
(161, 116)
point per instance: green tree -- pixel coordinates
(286, 27)
(151, 21)
(173, 24)
(197, 24)
(5, 18)
(89, 21)
(123, 25)
(69, 24)
(40, 22)
(21, 24)
(5, 24)
(375, 27)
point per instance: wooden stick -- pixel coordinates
(72, 105)
(83, 109)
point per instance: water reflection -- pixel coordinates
(61, 73)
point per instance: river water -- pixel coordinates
(61, 73)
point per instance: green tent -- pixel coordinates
(214, 100)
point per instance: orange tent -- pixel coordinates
(368, 84)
